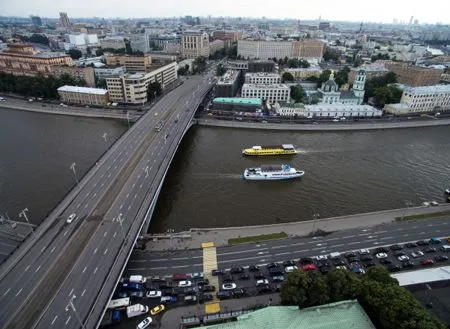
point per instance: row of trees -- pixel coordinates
(34, 38)
(379, 56)
(199, 65)
(39, 86)
(387, 303)
(296, 63)
(382, 91)
(154, 90)
(183, 70)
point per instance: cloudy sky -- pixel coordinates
(430, 11)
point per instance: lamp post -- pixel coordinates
(128, 119)
(146, 171)
(72, 166)
(23, 214)
(72, 306)
(315, 217)
(407, 204)
(105, 136)
(120, 220)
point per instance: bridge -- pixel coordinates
(66, 266)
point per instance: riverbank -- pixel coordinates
(193, 238)
(339, 126)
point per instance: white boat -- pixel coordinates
(272, 172)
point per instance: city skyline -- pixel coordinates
(351, 11)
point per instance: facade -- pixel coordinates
(236, 65)
(105, 72)
(215, 46)
(303, 73)
(86, 73)
(132, 88)
(270, 93)
(83, 95)
(113, 42)
(422, 99)
(195, 44)
(64, 20)
(139, 42)
(224, 105)
(228, 84)
(415, 76)
(262, 78)
(82, 39)
(225, 35)
(308, 49)
(36, 20)
(132, 63)
(169, 44)
(261, 66)
(329, 111)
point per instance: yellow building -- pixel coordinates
(195, 44)
(83, 95)
(132, 63)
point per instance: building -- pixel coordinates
(225, 35)
(228, 84)
(81, 41)
(422, 99)
(132, 88)
(215, 46)
(87, 73)
(139, 42)
(105, 71)
(328, 111)
(372, 71)
(311, 50)
(168, 43)
(324, 26)
(261, 66)
(115, 42)
(270, 93)
(36, 20)
(195, 44)
(162, 58)
(228, 106)
(83, 95)
(132, 63)
(303, 73)
(341, 315)
(262, 78)
(415, 76)
(64, 20)
(238, 65)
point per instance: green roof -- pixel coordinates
(238, 100)
(341, 315)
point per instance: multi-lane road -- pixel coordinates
(85, 257)
(166, 263)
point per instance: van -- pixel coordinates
(335, 255)
(138, 278)
(445, 247)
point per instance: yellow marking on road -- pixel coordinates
(209, 264)
(211, 308)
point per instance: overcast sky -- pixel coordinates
(430, 11)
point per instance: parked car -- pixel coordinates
(190, 291)
(217, 272)
(197, 275)
(288, 263)
(289, 269)
(254, 268)
(429, 250)
(190, 299)
(435, 241)
(202, 282)
(364, 251)
(393, 268)
(157, 309)
(381, 250)
(417, 254)
(264, 289)
(350, 255)
(153, 294)
(229, 286)
(369, 264)
(184, 283)
(179, 277)
(244, 276)
(224, 294)
(365, 258)
(309, 267)
(411, 245)
(237, 270)
(168, 299)
(396, 247)
(440, 258)
(381, 255)
(208, 288)
(427, 262)
(324, 269)
(422, 243)
(239, 293)
(407, 264)
(278, 278)
(385, 261)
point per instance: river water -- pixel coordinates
(346, 173)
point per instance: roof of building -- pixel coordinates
(423, 276)
(348, 94)
(229, 77)
(341, 315)
(332, 107)
(265, 86)
(262, 74)
(428, 89)
(238, 100)
(83, 90)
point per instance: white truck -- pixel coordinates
(136, 309)
(138, 278)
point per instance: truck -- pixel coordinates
(136, 309)
(138, 278)
(110, 317)
(119, 303)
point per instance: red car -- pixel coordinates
(179, 276)
(309, 267)
(427, 262)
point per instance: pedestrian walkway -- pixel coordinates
(209, 264)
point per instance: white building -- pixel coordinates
(264, 49)
(83, 39)
(329, 111)
(270, 93)
(195, 44)
(422, 99)
(262, 78)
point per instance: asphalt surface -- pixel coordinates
(77, 258)
(167, 263)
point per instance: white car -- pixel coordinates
(434, 203)
(290, 269)
(144, 323)
(229, 286)
(335, 120)
(71, 218)
(402, 258)
(364, 251)
(417, 254)
(342, 267)
(322, 257)
(381, 255)
(184, 284)
(153, 294)
(425, 204)
(262, 282)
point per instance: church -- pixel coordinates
(329, 92)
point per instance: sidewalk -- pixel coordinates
(196, 236)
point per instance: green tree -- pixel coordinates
(128, 49)
(331, 55)
(287, 77)
(380, 274)
(341, 77)
(154, 89)
(298, 93)
(294, 290)
(342, 285)
(220, 70)
(317, 292)
(101, 83)
(199, 64)
(99, 52)
(324, 76)
(75, 53)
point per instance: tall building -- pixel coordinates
(225, 35)
(228, 84)
(270, 93)
(262, 78)
(415, 76)
(36, 20)
(195, 44)
(64, 20)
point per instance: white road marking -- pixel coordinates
(355, 242)
(37, 270)
(282, 253)
(70, 293)
(115, 233)
(84, 269)
(95, 194)
(95, 251)
(277, 247)
(106, 250)
(78, 205)
(65, 233)
(298, 244)
(134, 184)
(84, 291)
(18, 293)
(379, 232)
(53, 249)
(26, 268)
(85, 206)
(102, 185)
(129, 207)
(348, 236)
(180, 266)
(135, 196)
(95, 271)
(104, 234)
(6, 292)
(140, 186)
(43, 248)
(128, 194)
(54, 319)
(68, 319)
(180, 258)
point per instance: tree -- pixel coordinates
(101, 83)
(381, 275)
(338, 42)
(297, 93)
(294, 290)
(341, 77)
(324, 76)
(99, 52)
(317, 292)
(75, 53)
(331, 55)
(128, 49)
(287, 77)
(220, 70)
(199, 64)
(342, 285)
(154, 89)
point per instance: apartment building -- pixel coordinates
(195, 44)
(132, 88)
(228, 84)
(86, 73)
(225, 35)
(262, 78)
(270, 93)
(372, 71)
(83, 95)
(308, 49)
(415, 76)
(130, 62)
(113, 42)
(303, 73)
(215, 46)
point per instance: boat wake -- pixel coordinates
(215, 176)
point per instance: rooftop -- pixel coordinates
(228, 78)
(84, 90)
(428, 89)
(423, 276)
(264, 86)
(342, 315)
(262, 74)
(238, 100)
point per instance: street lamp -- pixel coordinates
(128, 119)
(315, 217)
(105, 135)
(72, 166)
(72, 306)
(407, 204)
(120, 220)
(146, 171)
(23, 214)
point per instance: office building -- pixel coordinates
(138, 42)
(237, 65)
(194, 44)
(415, 76)
(422, 99)
(225, 35)
(36, 20)
(132, 88)
(261, 66)
(83, 95)
(228, 106)
(303, 73)
(115, 42)
(86, 73)
(167, 43)
(105, 71)
(215, 46)
(372, 71)
(269, 93)
(262, 78)
(64, 20)
(328, 110)
(228, 84)
(131, 63)
(311, 50)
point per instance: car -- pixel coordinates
(350, 255)
(180, 276)
(338, 262)
(184, 283)
(324, 269)
(272, 265)
(342, 267)
(381, 255)
(239, 293)
(208, 288)
(259, 276)
(381, 250)
(228, 286)
(168, 299)
(425, 204)
(289, 269)
(264, 289)
(254, 268)
(224, 294)
(157, 309)
(237, 270)
(71, 218)
(445, 248)
(393, 268)
(217, 272)
(197, 275)
(144, 323)
(429, 250)
(276, 271)
(385, 261)
(440, 258)
(309, 267)
(369, 264)
(288, 263)
(262, 282)
(427, 262)
(352, 259)
(422, 243)
(278, 278)
(335, 120)
(434, 203)
(323, 263)
(155, 114)
(203, 282)
(189, 291)
(396, 247)
(358, 270)
(435, 241)
(366, 257)
(399, 253)
(411, 245)
(322, 257)
(407, 264)
(205, 298)
(121, 294)
(364, 251)
(305, 261)
(190, 299)
(417, 254)
(244, 276)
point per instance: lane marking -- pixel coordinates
(129, 207)
(106, 250)
(104, 234)
(121, 206)
(53, 249)
(85, 206)
(70, 293)
(84, 269)
(54, 319)
(65, 233)
(26, 268)
(95, 271)
(37, 270)
(18, 293)
(84, 291)
(95, 251)
(68, 319)
(6, 292)
(115, 233)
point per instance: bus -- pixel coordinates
(120, 303)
